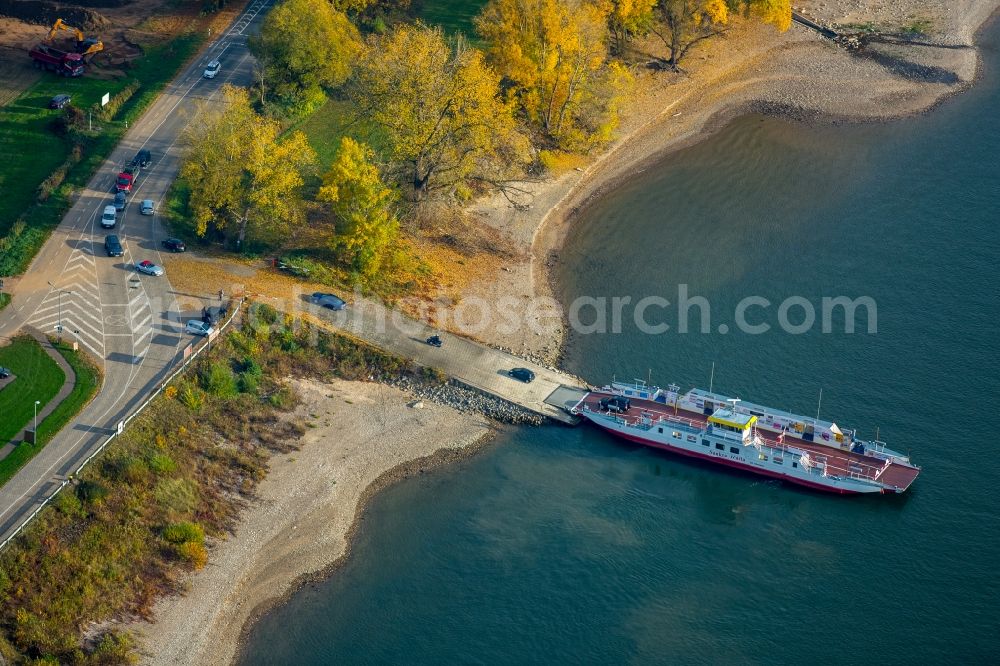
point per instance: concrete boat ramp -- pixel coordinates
(469, 363)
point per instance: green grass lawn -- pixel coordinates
(4, 300)
(325, 127)
(25, 130)
(39, 378)
(452, 15)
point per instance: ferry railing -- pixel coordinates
(811, 459)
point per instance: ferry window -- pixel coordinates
(733, 449)
(720, 446)
(763, 456)
(659, 430)
(779, 461)
(795, 464)
(704, 442)
(692, 438)
(676, 434)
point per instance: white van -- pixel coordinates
(108, 219)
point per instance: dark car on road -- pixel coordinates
(522, 374)
(59, 101)
(144, 158)
(174, 244)
(113, 246)
(120, 201)
(328, 301)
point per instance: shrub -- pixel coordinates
(249, 383)
(433, 375)
(114, 648)
(193, 553)
(193, 398)
(184, 532)
(127, 469)
(264, 313)
(72, 119)
(117, 101)
(70, 505)
(218, 380)
(170, 392)
(283, 398)
(52, 183)
(161, 464)
(91, 491)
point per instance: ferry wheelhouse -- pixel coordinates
(710, 426)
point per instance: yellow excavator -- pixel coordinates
(85, 46)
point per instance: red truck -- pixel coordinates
(54, 60)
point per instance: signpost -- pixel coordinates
(105, 99)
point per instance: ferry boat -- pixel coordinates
(710, 426)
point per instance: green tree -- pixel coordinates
(243, 181)
(304, 47)
(439, 109)
(556, 54)
(362, 204)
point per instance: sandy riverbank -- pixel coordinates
(754, 68)
(361, 437)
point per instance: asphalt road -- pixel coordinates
(132, 323)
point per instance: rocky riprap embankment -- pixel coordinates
(469, 401)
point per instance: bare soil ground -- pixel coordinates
(125, 31)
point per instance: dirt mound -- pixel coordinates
(43, 12)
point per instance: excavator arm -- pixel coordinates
(84, 46)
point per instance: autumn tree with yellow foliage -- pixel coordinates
(244, 182)
(628, 19)
(685, 23)
(555, 54)
(440, 110)
(362, 205)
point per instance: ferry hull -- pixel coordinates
(733, 464)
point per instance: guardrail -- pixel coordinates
(121, 425)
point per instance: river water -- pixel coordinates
(564, 545)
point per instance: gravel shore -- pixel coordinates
(360, 437)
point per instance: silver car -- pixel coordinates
(149, 268)
(212, 69)
(198, 327)
(146, 207)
